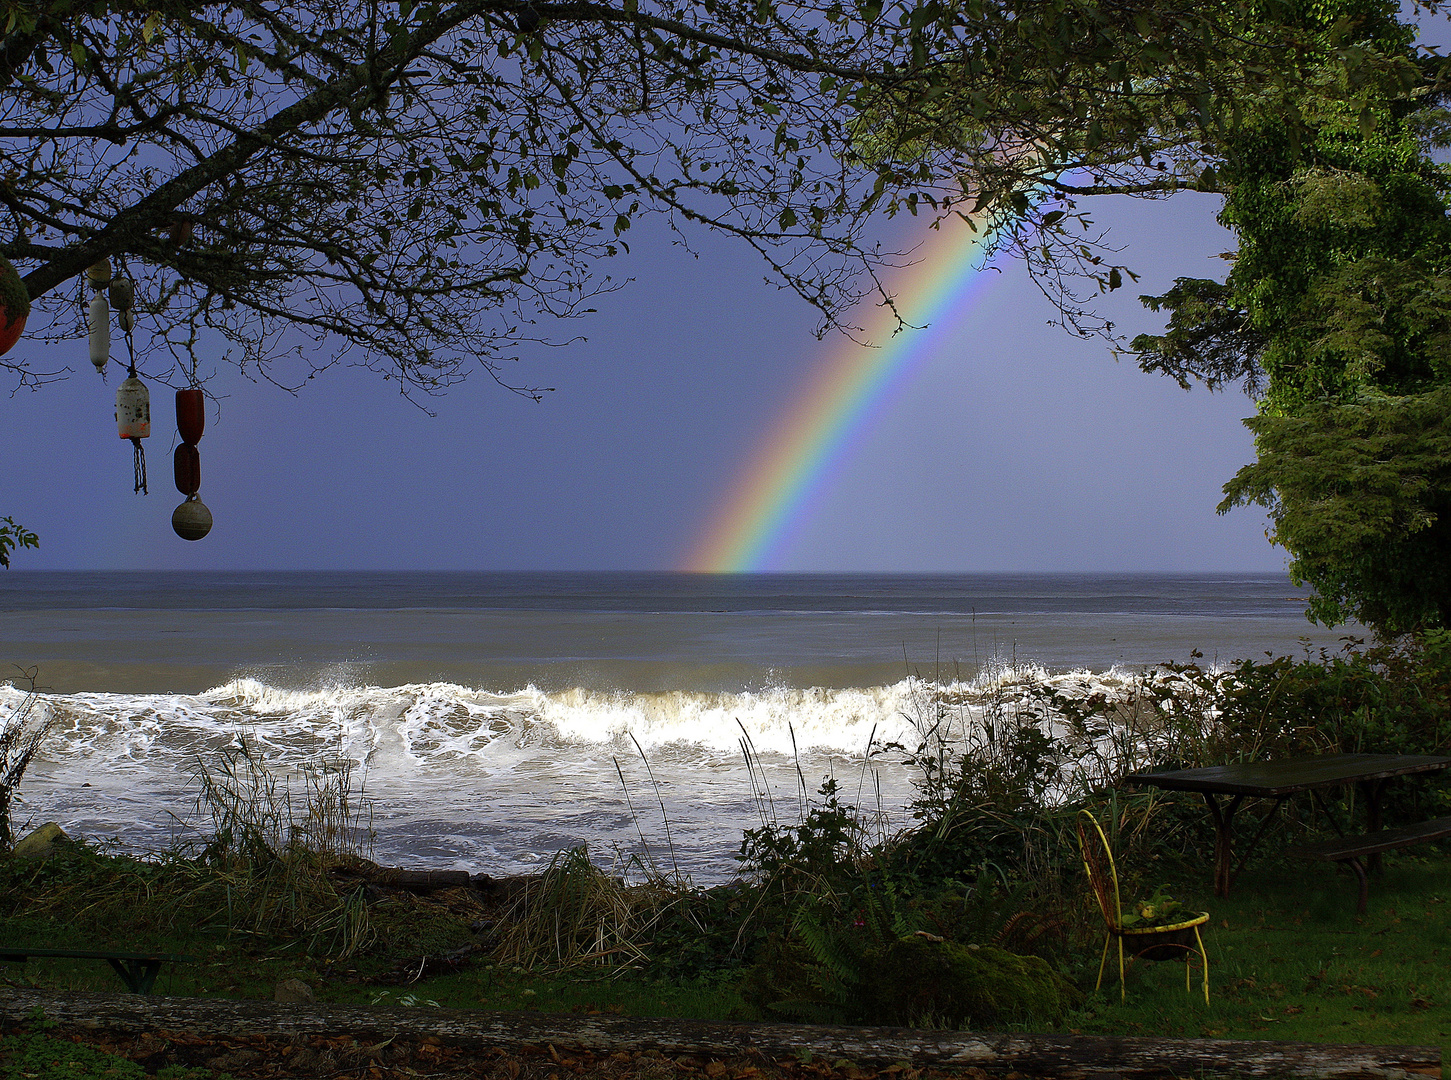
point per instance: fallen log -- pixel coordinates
(422, 880)
(1063, 1057)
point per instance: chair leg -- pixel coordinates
(1103, 960)
(1203, 959)
(1121, 992)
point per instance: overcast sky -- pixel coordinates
(1015, 448)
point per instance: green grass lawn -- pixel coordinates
(1289, 959)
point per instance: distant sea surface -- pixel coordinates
(497, 718)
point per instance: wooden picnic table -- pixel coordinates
(1279, 780)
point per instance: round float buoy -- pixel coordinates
(99, 274)
(14, 306)
(191, 520)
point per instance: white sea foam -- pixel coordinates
(494, 780)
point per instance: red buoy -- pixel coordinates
(191, 415)
(14, 306)
(188, 464)
(10, 330)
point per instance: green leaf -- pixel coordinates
(1367, 123)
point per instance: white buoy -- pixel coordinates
(133, 409)
(100, 331)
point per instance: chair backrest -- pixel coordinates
(1098, 864)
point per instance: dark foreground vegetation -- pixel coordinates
(977, 917)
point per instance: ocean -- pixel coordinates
(494, 719)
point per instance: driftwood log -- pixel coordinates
(425, 881)
(1063, 1057)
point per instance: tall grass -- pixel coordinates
(264, 870)
(255, 813)
(23, 729)
(576, 914)
(272, 847)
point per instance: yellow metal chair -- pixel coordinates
(1180, 939)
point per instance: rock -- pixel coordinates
(40, 843)
(294, 991)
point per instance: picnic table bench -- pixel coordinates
(137, 970)
(1352, 849)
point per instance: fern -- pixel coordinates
(830, 949)
(811, 1012)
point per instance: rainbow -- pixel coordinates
(770, 499)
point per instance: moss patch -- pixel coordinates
(919, 981)
(911, 982)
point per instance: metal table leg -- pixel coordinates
(138, 975)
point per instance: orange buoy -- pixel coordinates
(14, 306)
(133, 420)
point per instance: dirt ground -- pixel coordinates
(260, 1057)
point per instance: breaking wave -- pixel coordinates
(497, 780)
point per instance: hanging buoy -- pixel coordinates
(191, 520)
(100, 331)
(133, 421)
(122, 292)
(191, 415)
(14, 306)
(133, 409)
(99, 274)
(187, 465)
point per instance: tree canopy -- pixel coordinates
(1337, 315)
(417, 186)
(420, 187)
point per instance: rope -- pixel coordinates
(139, 458)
